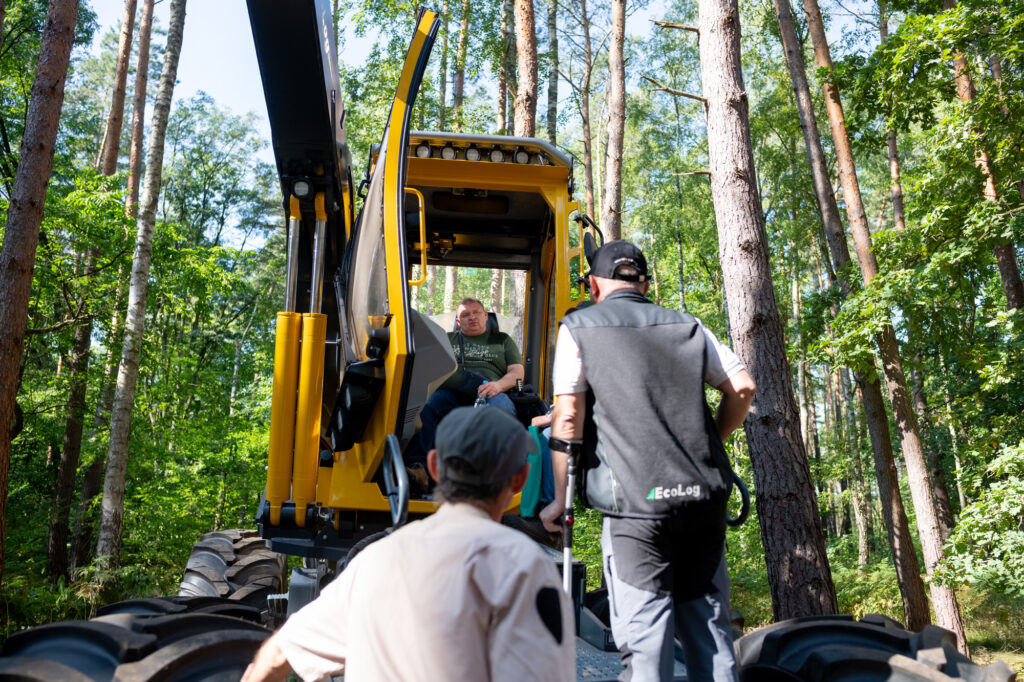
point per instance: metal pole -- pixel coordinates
(316, 285)
(290, 292)
(567, 521)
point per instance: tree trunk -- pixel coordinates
(510, 57)
(588, 138)
(1004, 251)
(801, 375)
(497, 277)
(935, 472)
(108, 545)
(139, 107)
(502, 119)
(25, 215)
(112, 135)
(798, 568)
(611, 194)
(57, 539)
(553, 72)
(908, 571)
(442, 78)
(895, 183)
(944, 602)
(526, 50)
(451, 282)
(460, 68)
(3, 11)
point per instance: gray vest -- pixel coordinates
(657, 448)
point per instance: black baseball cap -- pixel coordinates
(613, 254)
(490, 441)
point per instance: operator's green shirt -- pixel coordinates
(488, 354)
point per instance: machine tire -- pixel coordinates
(134, 647)
(234, 565)
(832, 648)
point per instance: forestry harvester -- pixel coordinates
(354, 364)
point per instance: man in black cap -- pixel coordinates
(455, 596)
(657, 469)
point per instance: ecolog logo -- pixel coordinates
(663, 493)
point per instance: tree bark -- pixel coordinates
(526, 50)
(108, 545)
(442, 78)
(451, 282)
(1004, 251)
(553, 71)
(798, 568)
(3, 11)
(935, 471)
(502, 119)
(611, 194)
(908, 570)
(895, 182)
(112, 134)
(944, 602)
(460, 67)
(25, 215)
(497, 278)
(139, 107)
(588, 138)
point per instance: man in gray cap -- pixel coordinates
(455, 596)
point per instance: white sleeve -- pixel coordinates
(313, 651)
(567, 371)
(722, 361)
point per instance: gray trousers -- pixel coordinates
(647, 612)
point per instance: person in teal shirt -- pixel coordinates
(489, 364)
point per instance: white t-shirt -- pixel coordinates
(567, 372)
(455, 596)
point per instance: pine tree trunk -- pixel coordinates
(139, 107)
(908, 571)
(510, 59)
(112, 135)
(944, 602)
(25, 215)
(895, 183)
(460, 68)
(801, 374)
(935, 471)
(611, 194)
(108, 545)
(3, 11)
(553, 71)
(442, 78)
(1004, 251)
(798, 568)
(526, 50)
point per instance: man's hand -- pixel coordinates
(270, 664)
(490, 389)
(551, 516)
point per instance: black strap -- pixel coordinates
(462, 349)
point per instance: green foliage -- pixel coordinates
(986, 550)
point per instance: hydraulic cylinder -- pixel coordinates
(282, 412)
(307, 423)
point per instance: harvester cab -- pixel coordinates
(354, 362)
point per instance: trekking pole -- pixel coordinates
(567, 521)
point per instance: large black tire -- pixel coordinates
(235, 565)
(134, 647)
(833, 648)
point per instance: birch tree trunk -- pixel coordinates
(1004, 251)
(944, 602)
(139, 107)
(553, 71)
(908, 570)
(497, 280)
(112, 135)
(526, 51)
(108, 544)
(25, 215)
(460, 68)
(588, 138)
(798, 568)
(451, 282)
(442, 78)
(611, 194)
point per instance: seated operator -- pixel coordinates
(488, 365)
(454, 596)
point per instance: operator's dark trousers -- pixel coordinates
(667, 578)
